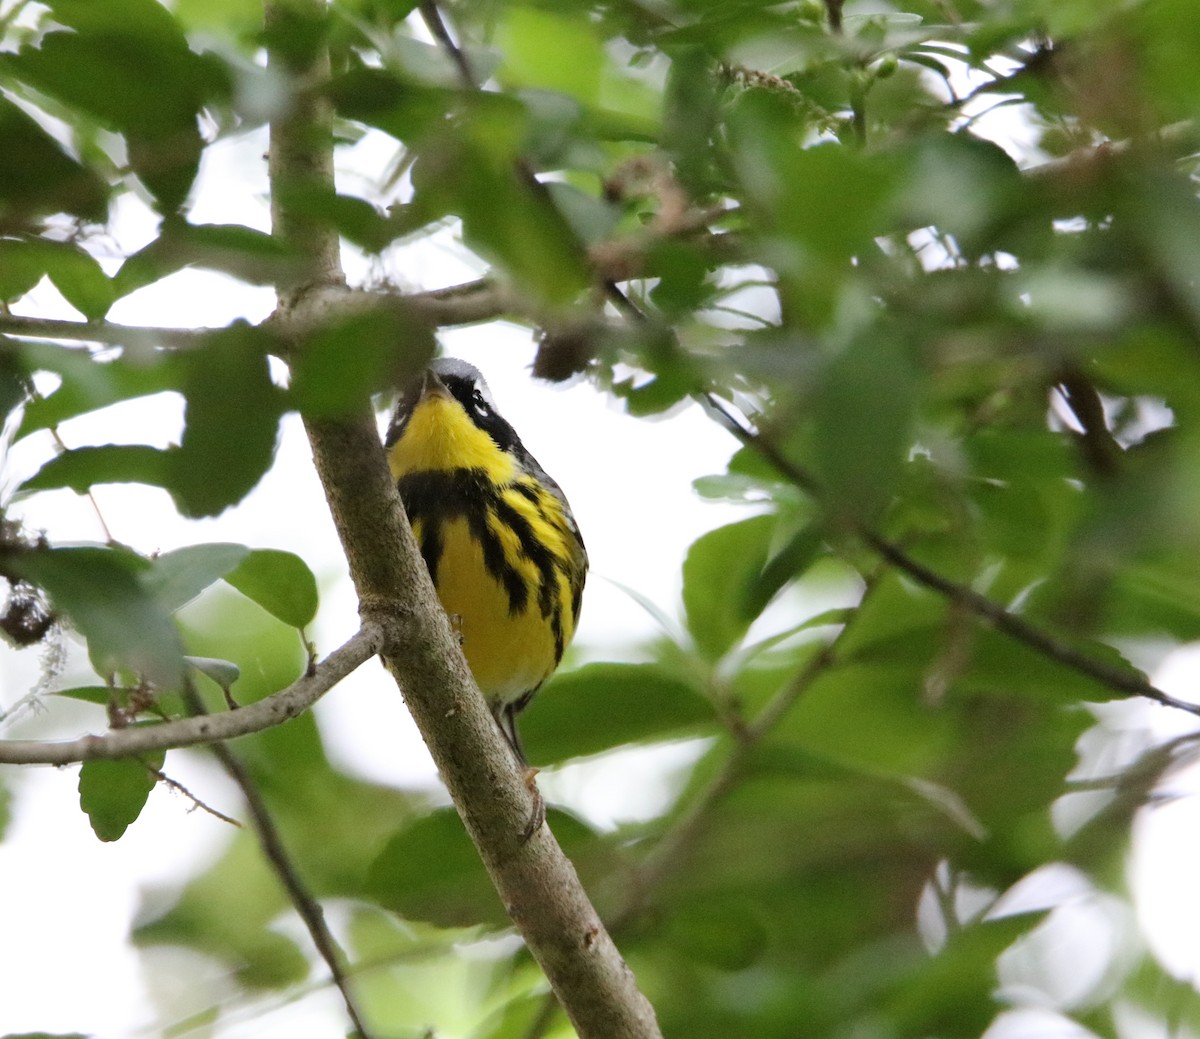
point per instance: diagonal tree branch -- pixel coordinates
(535, 881)
(188, 732)
(1119, 679)
(281, 862)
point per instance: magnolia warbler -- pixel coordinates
(496, 533)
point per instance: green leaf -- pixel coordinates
(727, 935)
(88, 384)
(94, 694)
(231, 422)
(177, 577)
(38, 177)
(550, 51)
(720, 569)
(83, 467)
(113, 793)
(408, 111)
(14, 383)
(791, 561)
(241, 252)
(341, 365)
(100, 592)
(776, 171)
(601, 706)
(508, 218)
(103, 66)
(871, 718)
(431, 871)
(954, 993)
(46, 1035)
(280, 582)
(859, 461)
(77, 275)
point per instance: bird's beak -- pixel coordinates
(432, 386)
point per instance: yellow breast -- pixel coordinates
(503, 555)
(510, 653)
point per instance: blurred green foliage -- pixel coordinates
(985, 353)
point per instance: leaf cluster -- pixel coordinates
(985, 355)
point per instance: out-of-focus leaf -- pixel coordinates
(407, 111)
(597, 707)
(789, 562)
(83, 467)
(342, 365)
(261, 957)
(510, 219)
(100, 591)
(241, 252)
(103, 66)
(113, 793)
(1000, 664)
(88, 384)
(962, 185)
(551, 52)
(779, 176)
(728, 935)
(14, 383)
(117, 48)
(355, 219)
(38, 177)
(720, 568)
(689, 119)
(74, 272)
(954, 992)
(871, 718)
(431, 871)
(859, 461)
(280, 582)
(178, 577)
(231, 422)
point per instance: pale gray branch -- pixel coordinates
(209, 728)
(104, 333)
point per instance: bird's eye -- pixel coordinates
(481, 405)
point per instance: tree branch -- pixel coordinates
(1119, 679)
(187, 732)
(535, 881)
(106, 333)
(271, 842)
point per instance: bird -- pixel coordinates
(497, 535)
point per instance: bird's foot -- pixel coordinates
(538, 816)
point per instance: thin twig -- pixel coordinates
(285, 869)
(174, 784)
(436, 25)
(1182, 138)
(187, 732)
(1119, 679)
(91, 497)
